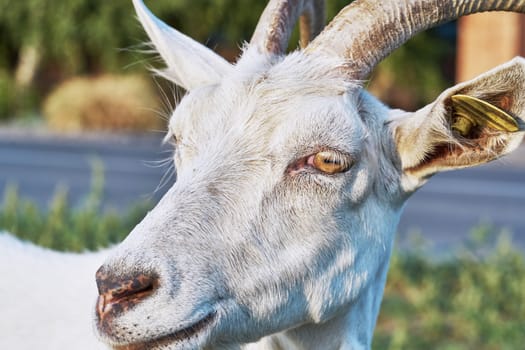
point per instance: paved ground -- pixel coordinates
(40, 163)
(450, 204)
(443, 211)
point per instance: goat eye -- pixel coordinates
(329, 162)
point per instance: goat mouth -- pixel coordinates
(181, 335)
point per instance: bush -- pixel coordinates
(108, 102)
(6, 96)
(62, 228)
(95, 36)
(475, 301)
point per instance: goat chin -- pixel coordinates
(46, 297)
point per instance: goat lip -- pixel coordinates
(180, 335)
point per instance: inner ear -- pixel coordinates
(475, 118)
(471, 123)
(476, 131)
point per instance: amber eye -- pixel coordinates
(330, 162)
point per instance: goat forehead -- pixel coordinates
(259, 79)
(278, 131)
(268, 105)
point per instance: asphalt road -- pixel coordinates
(38, 164)
(451, 204)
(443, 211)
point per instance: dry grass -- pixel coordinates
(108, 102)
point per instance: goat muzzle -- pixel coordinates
(117, 294)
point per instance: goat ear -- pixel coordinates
(190, 64)
(469, 124)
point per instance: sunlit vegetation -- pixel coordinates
(46, 43)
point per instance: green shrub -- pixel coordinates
(474, 301)
(61, 226)
(6, 96)
(108, 102)
(95, 36)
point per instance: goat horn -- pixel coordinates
(276, 24)
(373, 29)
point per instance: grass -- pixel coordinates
(68, 227)
(475, 300)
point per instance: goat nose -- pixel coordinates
(118, 293)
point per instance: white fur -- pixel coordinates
(282, 255)
(277, 254)
(46, 298)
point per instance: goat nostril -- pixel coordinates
(120, 293)
(139, 285)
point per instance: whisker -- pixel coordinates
(157, 163)
(159, 113)
(139, 49)
(166, 102)
(164, 180)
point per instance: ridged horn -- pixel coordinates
(366, 31)
(278, 19)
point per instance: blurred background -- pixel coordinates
(81, 158)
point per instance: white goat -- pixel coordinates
(291, 180)
(46, 297)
